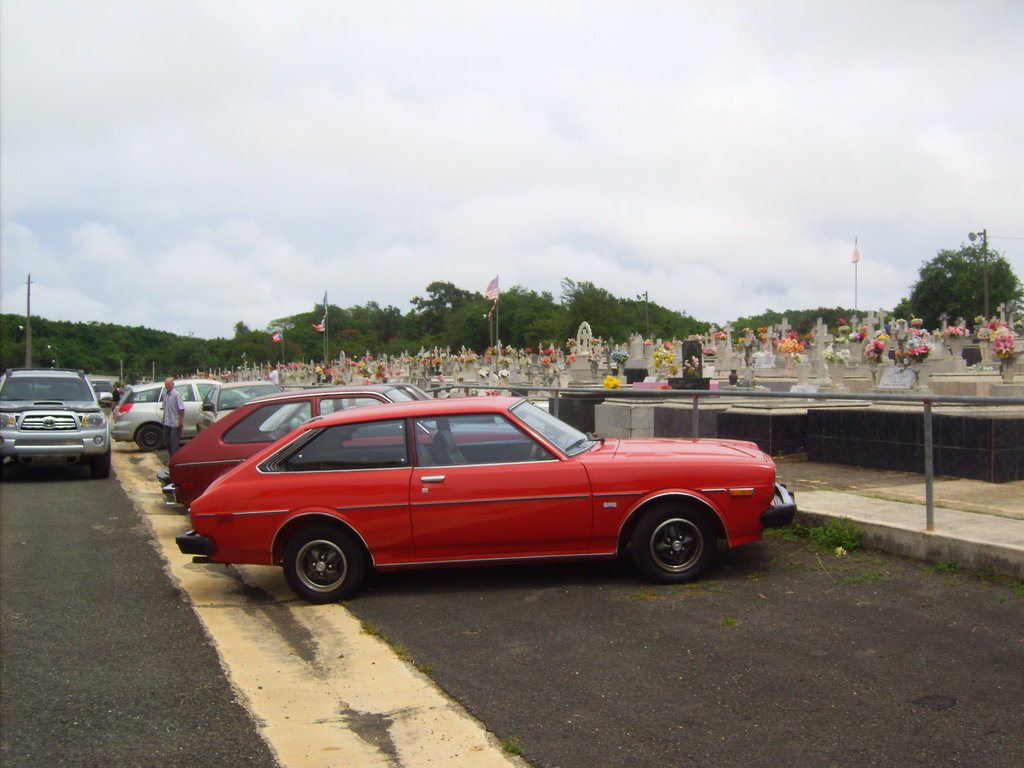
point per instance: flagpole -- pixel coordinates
(856, 265)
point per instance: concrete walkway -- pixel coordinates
(977, 525)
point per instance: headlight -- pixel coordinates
(93, 420)
(8, 420)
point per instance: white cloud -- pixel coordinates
(188, 165)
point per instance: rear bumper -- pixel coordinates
(782, 510)
(191, 543)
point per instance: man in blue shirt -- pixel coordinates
(174, 415)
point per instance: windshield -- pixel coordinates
(566, 437)
(35, 388)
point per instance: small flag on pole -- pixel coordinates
(279, 336)
(856, 251)
(318, 326)
(492, 289)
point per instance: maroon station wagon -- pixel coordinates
(253, 426)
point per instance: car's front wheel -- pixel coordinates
(150, 437)
(674, 544)
(324, 564)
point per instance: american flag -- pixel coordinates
(492, 289)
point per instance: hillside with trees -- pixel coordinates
(446, 316)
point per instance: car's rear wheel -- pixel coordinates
(150, 437)
(99, 466)
(324, 564)
(674, 544)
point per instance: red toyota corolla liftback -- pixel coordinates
(476, 481)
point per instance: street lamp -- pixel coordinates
(647, 317)
(984, 257)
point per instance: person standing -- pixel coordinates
(174, 415)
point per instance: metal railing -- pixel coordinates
(927, 401)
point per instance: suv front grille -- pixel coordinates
(49, 422)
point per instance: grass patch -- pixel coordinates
(866, 577)
(512, 746)
(836, 534)
(646, 594)
(729, 622)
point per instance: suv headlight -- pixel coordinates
(8, 419)
(93, 420)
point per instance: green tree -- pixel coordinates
(954, 283)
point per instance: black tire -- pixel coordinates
(674, 544)
(324, 564)
(99, 466)
(150, 437)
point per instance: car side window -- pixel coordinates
(203, 389)
(372, 445)
(269, 422)
(187, 395)
(334, 404)
(474, 439)
(146, 395)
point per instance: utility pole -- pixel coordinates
(28, 322)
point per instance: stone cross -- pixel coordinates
(943, 321)
(784, 327)
(873, 322)
(821, 334)
(728, 334)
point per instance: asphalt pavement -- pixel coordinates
(102, 664)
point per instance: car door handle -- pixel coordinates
(432, 479)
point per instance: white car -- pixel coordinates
(139, 415)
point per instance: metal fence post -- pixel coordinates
(696, 415)
(929, 469)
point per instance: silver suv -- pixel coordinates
(51, 416)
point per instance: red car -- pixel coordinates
(251, 427)
(475, 481)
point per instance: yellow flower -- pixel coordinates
(610, 382)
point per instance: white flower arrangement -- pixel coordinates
(836, 353)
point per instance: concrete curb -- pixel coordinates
(973, 541)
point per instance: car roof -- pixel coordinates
(415, 408)
(55, 372)
(152, 384)
(341, 389)
(248, 383)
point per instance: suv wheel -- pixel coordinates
(99, 467)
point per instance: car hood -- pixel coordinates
(49, 405)
(707, 448)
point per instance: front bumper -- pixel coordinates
(191, 543)
(53, 448)
(782, 510)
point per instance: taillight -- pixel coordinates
(123, 408)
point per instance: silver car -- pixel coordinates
(139, 415)
(224, 398)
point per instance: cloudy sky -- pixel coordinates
(187, 165)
